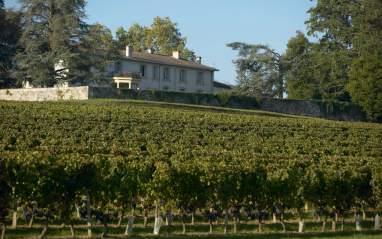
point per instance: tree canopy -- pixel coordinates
(259, 70)
(162, 36)
(58, 46)
(10, 31)
(343, 65)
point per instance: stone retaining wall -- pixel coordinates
(41, 94)
(317, 109)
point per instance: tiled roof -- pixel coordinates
(221, 85)
(164, 59)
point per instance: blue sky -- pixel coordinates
(210, 24)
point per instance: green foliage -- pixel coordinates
(58, 46)
(10, 32)
(100, 36)
(162, 36)
(366, 85)
(259, 70)
(57, 150)
(343, 64)
(224, 98)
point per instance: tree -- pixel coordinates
(365, 85)
(5, 193)
(100, 36)
(56, 45)
(10, 32)
(259, 70)
(162, 36)
(332, 56)
(300, 83)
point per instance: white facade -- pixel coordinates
(157, 72)
(162, 76)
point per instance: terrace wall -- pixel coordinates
(317, 109)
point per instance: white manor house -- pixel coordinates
(146, 70)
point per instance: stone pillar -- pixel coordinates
(117, 84)
(130, 85)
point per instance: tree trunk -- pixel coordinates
(343, 223)
(274, 217)
(364, 211)
(193, 218)
(211, 227)
(226, 220)
(72, 228)
(156, 209)
(104, 234)
(78, 211)
(14, 224)
(145, 219)
(324, 223)
(47, 216)
(301, 226)
(89, 213)
(260, 226)
(358, 223)
(132, 211)
(234, 224)
(377, 222)
(282, 223)
(129, 227)
(184, 224)
(334, 224)
(306, 208)
(63, 222)
(217, 220)
(31, 221)
(168, 217)
(3, 231)
(120, 221)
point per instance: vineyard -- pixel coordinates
(133, 165)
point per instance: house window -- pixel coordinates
(166, 73)
(143, 70)
(199, 79)
(155, 72)
(182, 75)
(182, 89)
(165, 88)
(118, 66)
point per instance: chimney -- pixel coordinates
(129, 51)
(199, 59)
(176, 54)
(149, 50)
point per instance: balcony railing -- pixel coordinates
(131, 74)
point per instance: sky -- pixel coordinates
(209, 24)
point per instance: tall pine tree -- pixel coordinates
(10, 32)
(58, 46)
